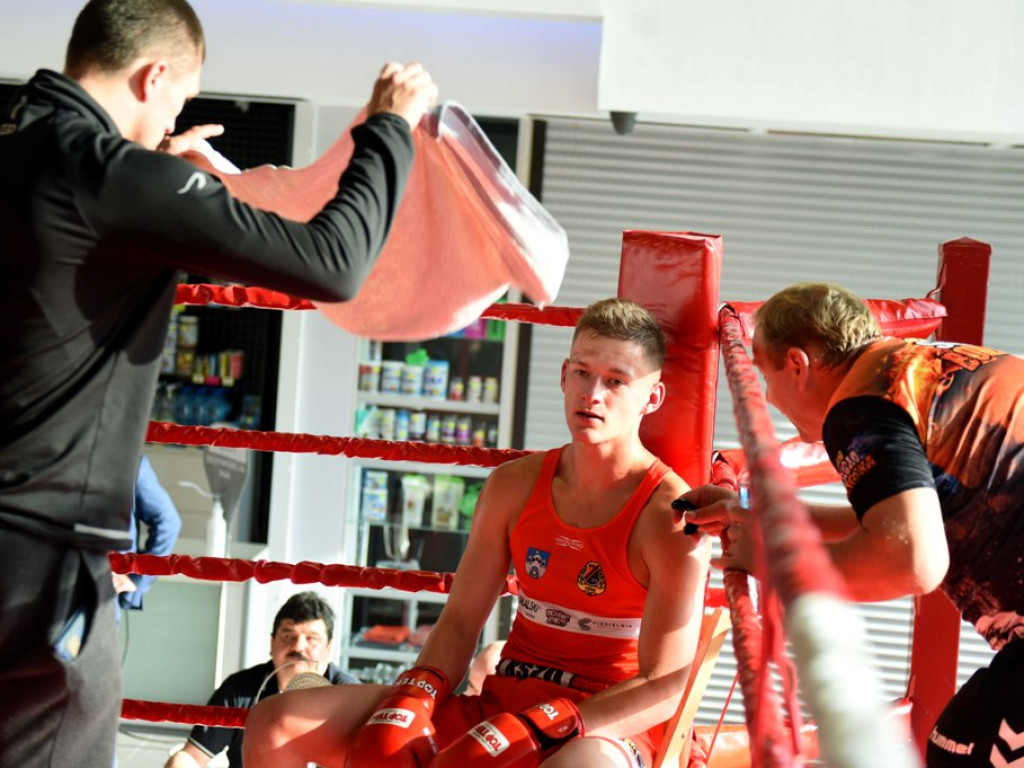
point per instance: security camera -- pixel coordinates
(623, 122)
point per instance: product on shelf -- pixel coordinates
(391, 376)
(448, 491)
(168, 356)
(434, 428)
(386, 423)
(448, 424)
(383, 633)
(375, 495)
(457, 390)
(418, 425)
(474, 389)
(435, 378)
(463, 430)
(252, 412)
(479, 438)
(491, 390)
(402, 420)
(412, 372)
(415, 489)
(369, 376)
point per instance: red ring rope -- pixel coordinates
(193, 714)
(306, 572)
(768, 744)
(358, 447)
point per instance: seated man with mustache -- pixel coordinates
(301, 641)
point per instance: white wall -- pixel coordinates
(943, 68)
(331, 54)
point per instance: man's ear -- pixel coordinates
(799, 362)
(656, 398)
(151, 78)
(565, 372)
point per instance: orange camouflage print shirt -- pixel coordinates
(967, 405)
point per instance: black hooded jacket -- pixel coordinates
(93, 232)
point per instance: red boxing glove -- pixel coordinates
(514, 741)
(400, 733)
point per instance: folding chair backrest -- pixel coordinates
(675, 748)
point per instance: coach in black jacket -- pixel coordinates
(94, 227)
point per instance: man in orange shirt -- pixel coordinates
(610, 600)
(928, 438)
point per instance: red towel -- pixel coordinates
(466, 230)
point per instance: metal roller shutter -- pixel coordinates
(866, 213)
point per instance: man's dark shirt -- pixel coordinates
(239, 690)
(93, 232)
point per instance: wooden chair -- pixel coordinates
(675, 748)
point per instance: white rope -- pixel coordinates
(841, 687)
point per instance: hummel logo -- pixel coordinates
(197, 180)
(998, 761)
(1014, 741)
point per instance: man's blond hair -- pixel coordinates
(824, 319)
(626, 320)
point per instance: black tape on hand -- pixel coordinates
(685, 505)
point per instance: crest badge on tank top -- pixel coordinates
(591, 580)
(536, 562)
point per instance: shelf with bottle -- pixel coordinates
(460, 369)
(448, 428)
(458, 390)
(201, 383)
(205, 406)
(424, 504)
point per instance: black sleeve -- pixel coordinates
(875, 447)
(338, 676)
(164, 210)
(237, 690)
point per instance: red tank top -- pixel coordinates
(579, 604)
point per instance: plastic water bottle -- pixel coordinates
(743, 488)
(216, 531)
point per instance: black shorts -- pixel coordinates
(983, 724)
(60, 676)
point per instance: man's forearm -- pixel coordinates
(834, 522)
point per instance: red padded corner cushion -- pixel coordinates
(676, 275)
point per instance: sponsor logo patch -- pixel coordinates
(852, 467)
(556, 617)
(565, 541)
(591, 579)
(491, 738)
(401, 717)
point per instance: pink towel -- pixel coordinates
(465, 231)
